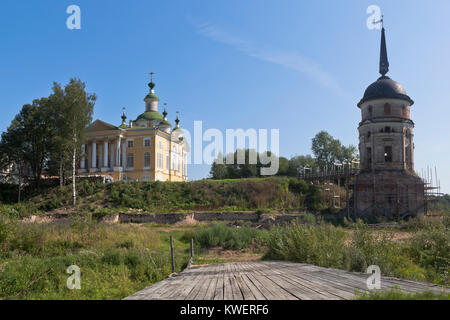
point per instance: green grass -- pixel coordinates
(115, 260)
(273, 193)
(424, 257)
(397, 294)
(219, 235)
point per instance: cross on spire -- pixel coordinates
(384, 63)
(381, 21)
(151, 84)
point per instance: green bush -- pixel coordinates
(322, 245)
(430, 248)
(424, 258)
(17, 211)
(226, 237)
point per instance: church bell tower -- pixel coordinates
(387, 184)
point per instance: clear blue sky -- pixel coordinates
(300, 66)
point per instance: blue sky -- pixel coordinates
(300, 66)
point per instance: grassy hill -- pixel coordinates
(274, 193)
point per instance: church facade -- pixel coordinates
(387, 184)
(145, 149)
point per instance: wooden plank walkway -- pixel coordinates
(268, 280)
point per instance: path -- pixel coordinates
(272, 280)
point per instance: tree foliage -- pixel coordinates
(48, 133)
(328, 150)
(325, 148)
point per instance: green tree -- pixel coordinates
(283, 166)
(300, 161)
(328, 150)
(27, 141)
(73, 108)
(218, 169)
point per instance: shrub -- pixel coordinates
(430, 248)
(322, 245)
(226, 237)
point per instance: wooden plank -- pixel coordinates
(241, 281)
(277, 292)
(218, 293)
(212, 286)
(275, 280)
(227, 291)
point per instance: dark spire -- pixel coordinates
(384, 63)
(177, 120)
(165, 111)
(124, 117)
(151, 85)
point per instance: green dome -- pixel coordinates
(165, 122)
(152, 96)
(150, 116)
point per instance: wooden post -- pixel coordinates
(171, 254)
(192, 248)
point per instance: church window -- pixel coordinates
(130, 160)
(370, 111)
(387, 109)
(160, 162)
(146, 159)
(368, 134)
(388, 153)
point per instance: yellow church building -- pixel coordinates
(147, 149)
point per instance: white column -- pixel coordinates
(94, 155)
(117, 166)
(124, 156)
(105, 154)
(83, 158)
(118, 152)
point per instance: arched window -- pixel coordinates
(387, 109)
(146, 159)
(130, 160)
(388, 153)
(370, 111)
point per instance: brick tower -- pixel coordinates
(387, 185)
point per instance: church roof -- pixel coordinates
(99, 125)
(150, 116)
(384, 87)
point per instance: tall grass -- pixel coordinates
(115, 260)
(425, 257)
(223, 236)
(397, 294)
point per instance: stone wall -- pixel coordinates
(389, 194)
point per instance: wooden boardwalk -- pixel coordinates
(268, 280)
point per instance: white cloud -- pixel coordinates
(291, 60)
